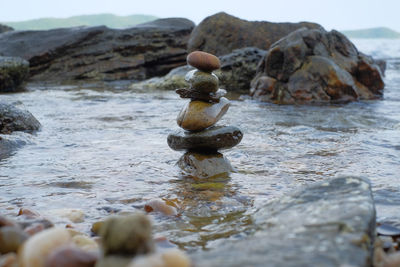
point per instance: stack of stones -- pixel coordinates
(199, 136)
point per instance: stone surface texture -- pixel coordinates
(313, 66)
(203, 61)
(13, 119)
(222, 33)
(199, 115)
(13, 72)
(203, 82)
(99, 53)
(211, 139)
(330, 223)
(202, 165)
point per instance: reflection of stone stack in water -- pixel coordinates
(199, 137)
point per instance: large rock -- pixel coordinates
(331, 223)
(100, 53)
(5, 28)
(311, 66)
(15, 119)
(13, 72)
(237, 70)
(221, 33)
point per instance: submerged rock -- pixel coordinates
(331, 223)
(202, 165)
(100, 53)
(221, 33)
(13, 72)
(312, 66)
(211, 139)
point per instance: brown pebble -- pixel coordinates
(70, 256)
(9, 260)
(28, 213)
(34, 228)
(11, 238)
(158, 205)
(4, 221)
(203, 61)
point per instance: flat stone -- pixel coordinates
(202, 81)
(203, 165)
(199, 115)
(203, 61)
(330, 223)
(195, 95)
(212, 139)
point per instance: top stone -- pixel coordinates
(203, 61)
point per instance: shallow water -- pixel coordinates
(103, 148)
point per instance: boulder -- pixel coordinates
(5, 28)
(100, 53)
(221, 33)
(237, 70)
(312, 66)
(15, 119)
(330, 223)
(13, 72)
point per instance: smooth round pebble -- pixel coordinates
(11, 238)
(203, 61)
(159, 205)
(71, 256)
(203, 82)
(167, 258)
(199, 115)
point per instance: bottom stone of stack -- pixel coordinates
(202, 165)
(209, 140)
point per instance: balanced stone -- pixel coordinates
(199, 115)
(202, 81)
(212, 139)
(203, 61)
(196, 95)
(204, 165)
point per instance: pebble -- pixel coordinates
(203, 82)
(34, 228)
(168, 258)
(4, 221)
(114, 261)
(199, 115)
(195, 95)
(127, 235)
(9, 260)
(85, 243)
(159, 205)
(11, 238)
(211, 139)
(70, 256)
(74, 215)
(203, 61)
(28, 213)
(202, 165)
(36, 249)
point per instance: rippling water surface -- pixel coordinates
(103, 148)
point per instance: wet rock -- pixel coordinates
(34, 228)
(314, 66)
(203, 61)
(199, 115)
(28, 213)
(96, 226)
(212, 139)
(388, 230)
(37, 248)
(74, 215)
(168, 258)
(70, 256)
(15, 119)
(127, 235)
(221, 33)
(5, 28)
(159, 205)
(11, 238)
(4, 221)
(330, 223)
(85, 242)
(13, 72)
(99, 53)
(195, 95)
(202, 165)
(202, 81)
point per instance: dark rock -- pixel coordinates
(331, 223)
(195, 95)
(15, 119)
(201, 81)
(100, 53)
(70, 256)
(221, 33)
(11, 238)
(13, 72)
(312, 66)
(211, 139)
(202, 165)
(5, 28)
(127, 235)
(237, 70)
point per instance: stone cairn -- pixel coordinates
(199, 136)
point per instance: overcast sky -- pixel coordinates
(337, 14)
